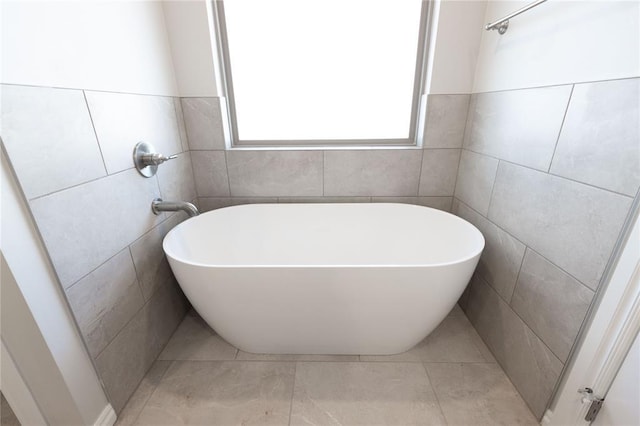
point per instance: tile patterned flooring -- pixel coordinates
(450, 378)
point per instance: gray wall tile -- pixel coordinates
(476, 176)
(210, 171)
(440, 203)
(105, 300)
(600, 139)
(213, 203)
(124, 362)
(324, 199)
(551, 302)
(530, 365)
(203, 120)
(439, 172)
(49, 138)
(573, 225)
(502, 255)
(445, 121)
(372, 172)
(123, 120)
(85, 225)
(275, 173)
(149, 259)
(520, 126)
(175, 178)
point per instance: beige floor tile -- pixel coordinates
(452, 341)
(221, 393)
(478, 394)
(194, 340)
(246, 356)
(140, 397)
(363, 394)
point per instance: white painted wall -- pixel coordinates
(559, 42)
(459, 28)
(97, 45)
(188, 27)
(454, 54)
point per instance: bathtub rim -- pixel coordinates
(180, 259)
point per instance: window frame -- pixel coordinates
(228, 109)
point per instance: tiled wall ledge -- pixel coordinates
(548, 176)
(425, 176)
(71, 150)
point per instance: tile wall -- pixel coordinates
(548, 175)
(425, 177)
(71, 151)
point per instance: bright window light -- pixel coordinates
(322, 69)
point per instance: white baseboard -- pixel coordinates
(107, 417)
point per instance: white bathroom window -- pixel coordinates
(322, 72)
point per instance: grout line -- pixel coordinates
(135, 269)
(433, 389)
(524, 255)
(226, 166)
(493, 187)
(420, 172)
(521, 242)
(193, 173)
(81, 183)
(526, 324)
(293, 389)
(137, 416)
(455, 184)
(548, 173)
(95, 132)
(324, 153)
(88, 89)
(564, 117)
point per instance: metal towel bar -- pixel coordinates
(502, 24)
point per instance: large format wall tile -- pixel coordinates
(105, 300)
(275, 173)
(124, 362)
(175, 178)
(600, 139)
(123, 120)
(151, 264)
(439, 172)
(520, 126)
(210, 172)
(551, 302)
(502, 255)
(445, 121)
(49, 138)
(203, 120)
(573, 225)
(372, 172)
(530, 365)
(212, 203)
(440, 203)
(85, 225)
(476, 175)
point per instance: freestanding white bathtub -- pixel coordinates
(324, 278)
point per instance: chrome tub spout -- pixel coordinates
(158, 206)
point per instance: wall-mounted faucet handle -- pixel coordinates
(146, 159)
(156, 159)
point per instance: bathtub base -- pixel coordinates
(337, 311)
